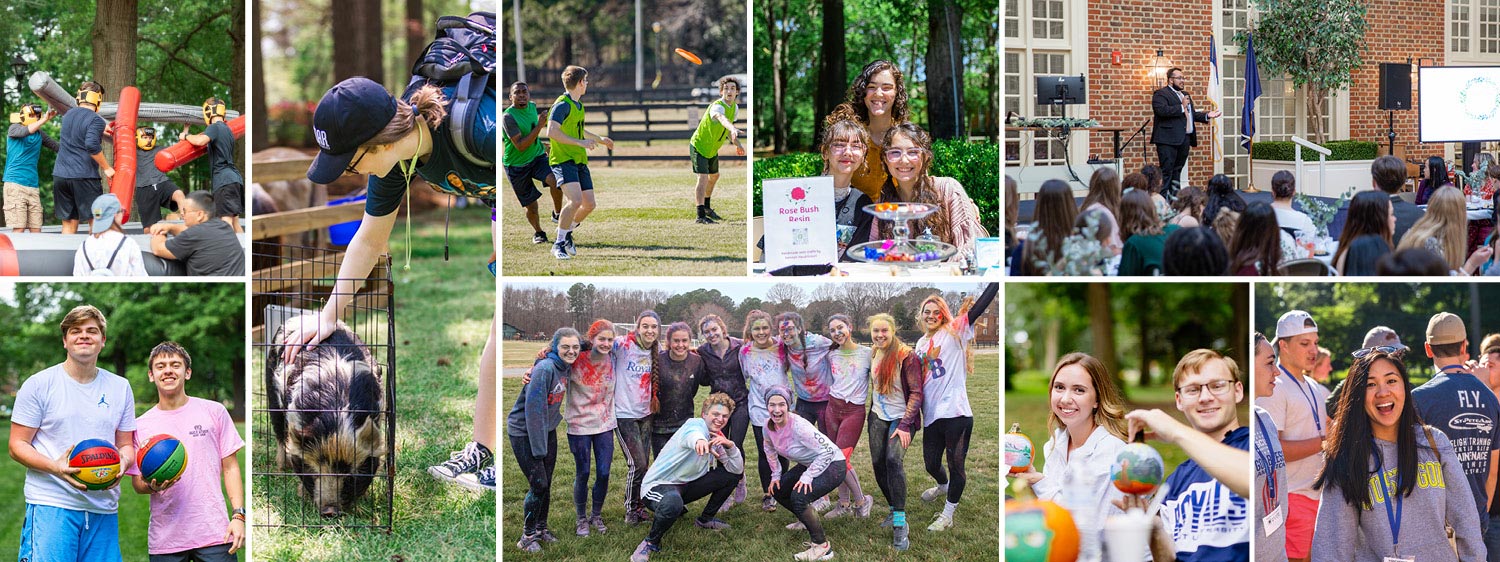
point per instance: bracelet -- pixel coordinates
(238, 516)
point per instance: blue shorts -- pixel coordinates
(54, 534)
(523, 178)
(569, 172)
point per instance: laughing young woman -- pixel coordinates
(947, 357)
(895, 411)
(844, 147)
(877, 101)
(907, 157)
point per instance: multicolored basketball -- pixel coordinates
(98, 463)
(1138, 469)
(163, 458)
(1018, 452)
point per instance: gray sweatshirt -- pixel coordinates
(1441, 495)
(538, 408)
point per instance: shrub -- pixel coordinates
(1342, 150)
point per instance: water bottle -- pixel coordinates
(1078, 487)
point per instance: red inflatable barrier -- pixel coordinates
(123, 184)
(183, 151)
(9, 265)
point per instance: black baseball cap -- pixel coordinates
(351, 113)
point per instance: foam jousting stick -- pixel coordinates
(44, 87)
(9, 265)
(183, 151)
(163, 113)
(123, 184)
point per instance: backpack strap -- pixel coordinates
(112, 256)
(86, 255)
(461, 114)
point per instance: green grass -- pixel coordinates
(762, 536)
(1029, 405)
(134, 512)
(443, 312)
(642, 225)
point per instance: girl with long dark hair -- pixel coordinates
(1256, 247)
(1437, 176)
(1221, 195)
(532, 427)
(908, 161)
(1370, 213)
(1055, 214)
(878, 101)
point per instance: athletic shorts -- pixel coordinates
(523, 179)
(570, 172)
(229, 200)
(702, 165)
(54, 534)
(149, 200)
(73, 199)
(1301, 519)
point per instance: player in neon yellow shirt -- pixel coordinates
(568, 156)
(716, 126)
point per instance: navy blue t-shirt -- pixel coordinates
(221, 155)
(445, 168)
(1465, 410)
(1208, 522)
(81, 137)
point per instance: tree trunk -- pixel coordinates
(416, 39)
(357, 40)
(237, 76)
(1241, 330)
(113, 40)
(1315, 99)
(778, 75)
(833, 73)
(260, 136)
(945, 74)
(1102, 327)
(1143, 347)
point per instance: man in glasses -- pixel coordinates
(1463, 407)
(1174, 131)
(206, 247)
(1204, 515)
(1296, 407)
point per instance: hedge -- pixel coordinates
(976, 165)
(1342, 150)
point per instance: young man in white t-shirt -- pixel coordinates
(188, 519)
(1297, 408)
(56, 409)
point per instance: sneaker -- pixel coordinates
(637, 516)
(705, 220)
(530, 543)
(821, 504)
(941, 523)
(714, 524)
(546, 535)
(899, 540)
(554, 217)
(582, 528)
(727, 504)
(570, 246)
(816, 552)
(482, 481)
(711, 214)
(890, 519)
(767, 503)
(932, 494)
(598, 522)
(796, 526)
(739, 492)
(840, 511)
(643, 551)
(539, 238)
(465, 461)
(863, 510)
(560, 250)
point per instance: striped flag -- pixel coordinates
(1252, 92)
(1215, 102)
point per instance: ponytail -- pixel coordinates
(427, 103)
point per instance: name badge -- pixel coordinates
(1272, 521)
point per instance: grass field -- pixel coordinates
(442, 319)
(642, 225)
(134, 512)
(1028, 404)
(761, 536)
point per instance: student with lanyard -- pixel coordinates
(363, 130)
(1462, 407)
(1295, 407)
(1270, 463)
(1393, 489)
(722, 374)
(946, 353)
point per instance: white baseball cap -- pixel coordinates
(1295, 323)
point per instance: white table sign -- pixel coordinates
(799, 221)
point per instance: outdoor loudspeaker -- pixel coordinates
(1395, 86)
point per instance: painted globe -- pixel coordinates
(1137, 470)
(1018, 452)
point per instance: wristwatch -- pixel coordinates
(240, 511)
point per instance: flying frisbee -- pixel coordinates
(692, 58)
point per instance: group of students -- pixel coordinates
(1203, 515)
(1216, 232)
(562, 165)
(77, 400)
(1377, 469)
(806, 398)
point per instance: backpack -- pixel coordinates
(461, 55)
(96, 271)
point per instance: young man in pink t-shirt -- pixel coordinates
(188, 520)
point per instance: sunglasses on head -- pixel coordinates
(1386, 349)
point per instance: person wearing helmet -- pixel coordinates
(23, 148)
(153, 189)
(76, 180)
(228, 184)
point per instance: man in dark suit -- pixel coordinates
(1388, 174)
(1175, 131)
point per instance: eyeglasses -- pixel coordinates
(350, 169)
(1218, 388)
(840, 146)
(1386, 349)
(912, 153)
(565, 347)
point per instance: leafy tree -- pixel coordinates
(1317, 44)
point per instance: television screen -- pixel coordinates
(1067, 90)
(1458, 103)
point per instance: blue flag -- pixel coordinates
(1252, 92)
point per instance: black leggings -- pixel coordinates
(635, 441)
(815, 412)
(799, 502)
(669, 502)
(888, 456)
(761, 463)
(739, 424)
(538, 479)
(948, 437)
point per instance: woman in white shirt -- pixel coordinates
(107, 251)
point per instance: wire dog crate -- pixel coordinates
(294, 494)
